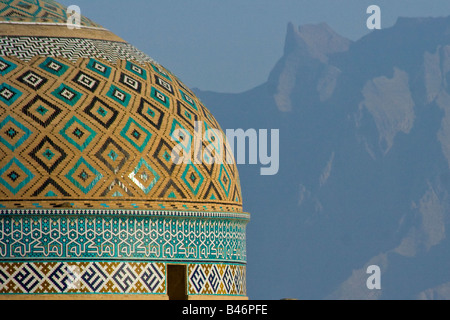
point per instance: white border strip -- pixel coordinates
(127, 212)
(49, 24)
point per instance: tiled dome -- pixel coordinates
(89, 122)
(87, 128)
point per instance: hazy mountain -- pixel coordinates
(364, 164)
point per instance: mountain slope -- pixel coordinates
(364, 164)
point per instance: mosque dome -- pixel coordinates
(92, 201)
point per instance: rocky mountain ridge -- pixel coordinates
(364, 164)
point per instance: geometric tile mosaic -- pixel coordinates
(131, 83)
(213, 139)
(14, 176)
(9, 94)
(163, 156)
(160, 97)
(54, 67)
(224, 180)
(86, 81)
(136, 134)
(84, 176)
(181, 136)
(136, 70)
(32, 80)
(192, 178)
(49, 189)
(68, 48)
(113, 277)
(67, 94)
(42, 111)
(164, 84)
(78, 133)
(48, 154)
(112, 155)
(99, 68)
(144, 176)
(189, 100)
(217, 279)
(151, 113)
(160, 71)
(6, 66)
(82, 278)
(101, 112)
(119, 95)
(185, 113)
(13, 133)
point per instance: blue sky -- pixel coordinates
(231, 45)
